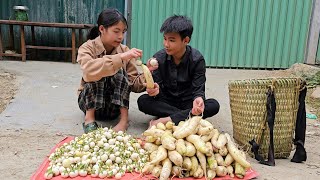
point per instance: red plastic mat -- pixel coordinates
(39, 174)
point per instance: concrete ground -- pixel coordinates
(46, 103)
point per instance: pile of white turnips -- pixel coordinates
(194, 148)
(100, 153)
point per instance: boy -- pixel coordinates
(180, 77)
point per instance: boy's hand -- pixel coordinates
(152, 67)
(198, 106)
(132, 53)
(154, 91)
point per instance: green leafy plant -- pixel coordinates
(313, 80)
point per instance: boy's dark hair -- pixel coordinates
(107, 18)
(179, 24)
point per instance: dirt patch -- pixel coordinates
(21, 147)
(312, 76)
(313, 103)
(7, 88)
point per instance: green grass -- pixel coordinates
(313, 80)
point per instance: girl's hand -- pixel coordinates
(198, 106)
(154, 91)
(132, 53)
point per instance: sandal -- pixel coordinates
(89, 127)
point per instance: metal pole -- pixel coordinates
(314, 31)
(128, 12)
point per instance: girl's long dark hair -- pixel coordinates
(107, 18)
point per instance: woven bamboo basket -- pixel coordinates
(248, 110)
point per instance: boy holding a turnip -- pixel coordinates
(179, 89)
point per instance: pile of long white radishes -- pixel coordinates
(194, 148)
(101, 153)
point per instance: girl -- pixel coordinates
(109, 72)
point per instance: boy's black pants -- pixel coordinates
(177, 110)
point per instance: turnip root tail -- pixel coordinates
(235, 153)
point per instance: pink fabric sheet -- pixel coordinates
(39, 174)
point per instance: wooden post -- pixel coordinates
(73, 46)
(11, 37)
(23, 44)
(1, 49)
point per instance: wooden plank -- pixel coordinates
(13, 55)
(49, 48)
(23, 43)
(45, 24)
(73, 46)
